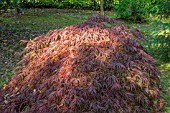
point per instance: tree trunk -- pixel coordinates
(101, 7)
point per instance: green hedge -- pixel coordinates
(72, 4)
(77, 4)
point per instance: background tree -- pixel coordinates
(102, 7)
(135, 10)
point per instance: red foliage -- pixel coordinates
(87, 67)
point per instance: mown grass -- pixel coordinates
(35, 22)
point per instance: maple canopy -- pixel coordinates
(96, 66)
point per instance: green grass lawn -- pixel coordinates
(35, 22)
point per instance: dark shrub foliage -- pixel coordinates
(135, 10)
(88, 67)
(74, 4)
(159, 43)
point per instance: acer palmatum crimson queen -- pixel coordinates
(96, 66)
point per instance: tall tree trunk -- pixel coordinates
(101, 7)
